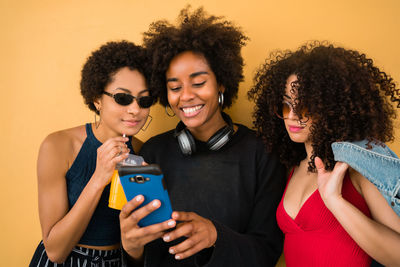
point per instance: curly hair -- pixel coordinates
(344, 93)
(218, 40)
(102, 64)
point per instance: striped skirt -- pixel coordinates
(80, 257)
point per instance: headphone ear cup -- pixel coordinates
(220, 138)
(186, 142)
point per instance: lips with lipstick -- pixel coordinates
(295, 129)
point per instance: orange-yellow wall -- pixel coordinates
(44, 44)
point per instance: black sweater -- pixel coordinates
(237, 187)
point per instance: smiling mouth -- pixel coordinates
(191, 110)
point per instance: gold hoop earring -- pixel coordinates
(166, 111)
(145, 126)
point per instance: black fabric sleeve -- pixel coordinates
(261, 244)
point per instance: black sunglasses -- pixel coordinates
(125, 99)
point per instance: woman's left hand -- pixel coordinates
(330, 182)
(200, 233)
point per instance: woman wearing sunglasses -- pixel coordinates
(75, 165)
(224, 187)
(307, 100)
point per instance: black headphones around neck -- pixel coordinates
(219, 139)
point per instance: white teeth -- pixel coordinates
(191, 109)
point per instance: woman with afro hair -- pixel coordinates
(75, 165)
(224, 187)
(307, 101)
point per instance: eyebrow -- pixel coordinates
(195, 74)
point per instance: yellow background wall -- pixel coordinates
(44, 44)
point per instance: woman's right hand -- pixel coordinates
(109, 154)
(133, 237)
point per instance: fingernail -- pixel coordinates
(155, 203)
(166, 238)
(171, 251)
(171, 223)
(138, 198)
(177, 257)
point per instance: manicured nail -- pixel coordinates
(166, 238)
(177, 257)
(138, 198)
(155, 203)
(171, 223)
(171, 251)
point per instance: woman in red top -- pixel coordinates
(306, 100)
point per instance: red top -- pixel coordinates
(315, 237)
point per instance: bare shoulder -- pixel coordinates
(65, 138)
(363, 185)
(63, 144)
(357, 179)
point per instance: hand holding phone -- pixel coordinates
(147, 181)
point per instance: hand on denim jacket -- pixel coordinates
(330, 182)
(133, 237)
(200, 233)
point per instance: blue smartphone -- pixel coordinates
(147, 181)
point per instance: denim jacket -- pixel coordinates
(379, 165)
